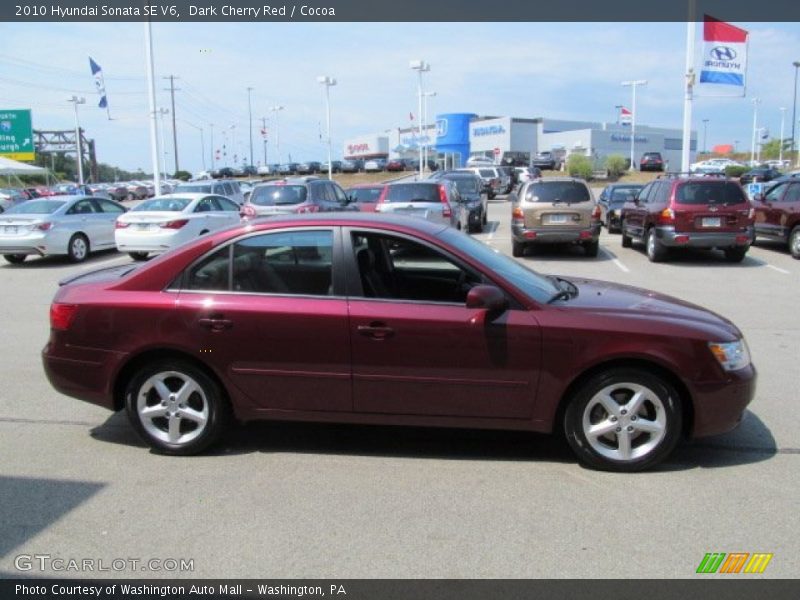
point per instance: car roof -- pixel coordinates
(354, 219)
(189, 195)
(358, 186)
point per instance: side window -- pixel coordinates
(660, 194)
(205, 205)
(395, 268)
(339, 194)
(110, 207)
(226, 204)
(285, 263)
(774, 195)
(82, 207)
(793, 193)
(211, 273)
(645, 193)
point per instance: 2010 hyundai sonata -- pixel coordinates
(391, 320)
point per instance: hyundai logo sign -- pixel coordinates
(488, 130)
(724, 53)
(441, 127)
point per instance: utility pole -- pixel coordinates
(172, 89)
(211, 125)
(78, 145)
(264, 135)
(250, 123)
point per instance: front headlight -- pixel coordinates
(616, 212)
(732, 356)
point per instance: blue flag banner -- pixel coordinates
(99, 83)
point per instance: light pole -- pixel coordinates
(161, 112)
(250, 117)
(328, 82)
(705, 136)
(426, 95)
(755, 124)
(275, 109)
(780, 147)
(151, 94)
(633, 84)
(78, 146)
(420, 66)
(796, 65)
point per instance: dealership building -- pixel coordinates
(454, 137)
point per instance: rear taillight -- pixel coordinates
(596, 213)
(121, 225)
(307, 208)
(247, 211)
(44, 226)
(62, 315)
(517, 214)
(666, 217)
(446, 210)
(177, 224)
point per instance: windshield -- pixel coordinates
(413, 192)
(368, 195)
(162, 204)
(558, 191)
(723, 192)
(35, 207)
(276, 195)
(621, 195)
(466, 185)
(533, 284)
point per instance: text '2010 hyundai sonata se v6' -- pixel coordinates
(391, 320)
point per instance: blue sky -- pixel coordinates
(558, 70)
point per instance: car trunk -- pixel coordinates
(709, 207)
(559, 216)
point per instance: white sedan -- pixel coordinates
(163, 222)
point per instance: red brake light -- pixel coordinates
(596, 213)
(177, 224)
(666, 217)
(121, 225)
(446, 210)
(247, 210)
(307, 208)
(44, 226)
(62, 315)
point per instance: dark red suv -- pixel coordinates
(695, 212)
(777, 214)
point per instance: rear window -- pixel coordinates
(162, 205)
(486, 172)
(621, 194)
(466, 185)
(365, 194)
(558, 191)
(35, 207)
(194, 188)
(723, 192)
(413, 192)
(278, 195)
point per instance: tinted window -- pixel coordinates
(710, 193)
(211, 273)
(199, 188)
(338, 194)
(486, 172)
(660, 194)
(413, 192)
(793, 195)
(466, 185)
(35, 207)
(557, 191)
(110, 207)
(226, 204)
(206, 205)
(774, 194)
(285, 263)
(645, 193)
(274, 195)
(163, 204)
(365, 194)
(621, 194)
(84, 207)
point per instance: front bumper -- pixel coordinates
(704, 239)
(719, 406)
(555, 235)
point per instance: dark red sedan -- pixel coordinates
(391, 320)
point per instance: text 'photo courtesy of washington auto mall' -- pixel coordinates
(354, 298)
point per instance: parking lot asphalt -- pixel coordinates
(306, 500)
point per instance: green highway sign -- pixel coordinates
(16, 135)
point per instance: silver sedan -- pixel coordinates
(71, 225)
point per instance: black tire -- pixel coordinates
(794, 242)
(591, 248)
(485, 219)
(627, 241)
(138, 256)
(660, 410)
(207, 402)
(517, 248)
(656, 251)
(15, 259)
(491, 195)
(735, 255)
(78, 248)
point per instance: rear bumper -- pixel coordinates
(704, 239)
(555, 235)
(87, 376)
(719, 407)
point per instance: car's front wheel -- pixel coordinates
(78, 248)
(794, 242)
(138, 256)
(623, 420)
(176, 407)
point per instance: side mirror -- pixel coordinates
(487, 297)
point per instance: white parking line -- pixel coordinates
(778, 269)
(616, 261)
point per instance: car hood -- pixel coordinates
(612, 299)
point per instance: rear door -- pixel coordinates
(110, 211)
(635, 213)
(768, 211)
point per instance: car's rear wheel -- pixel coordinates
(656, 251)
(623, 420)
(517, 248)
(591, 248)
(15, 259)
(138, 255)
(627, 241)
(78, 248)
(176, 407)
(794, 242)
(735, 255)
